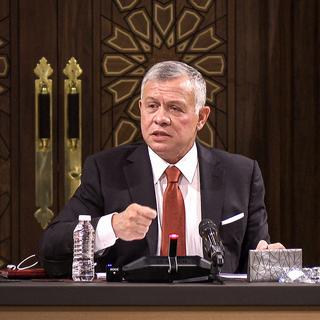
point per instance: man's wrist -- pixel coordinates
(105, 235)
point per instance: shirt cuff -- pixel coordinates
(105, 236)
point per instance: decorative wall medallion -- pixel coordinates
(137, 34)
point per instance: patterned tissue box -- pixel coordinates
(270, 264)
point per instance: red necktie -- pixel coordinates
(173, 215)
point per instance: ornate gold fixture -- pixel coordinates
(43, 143)
(72, 127)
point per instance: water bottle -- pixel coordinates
(83, 250)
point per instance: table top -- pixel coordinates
(101, 293)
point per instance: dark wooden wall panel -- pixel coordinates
(37, 38)
(277, 124)
(277, 112)
(306, 135)
(6, 114)
(75, 30)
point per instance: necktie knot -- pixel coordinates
(173, 174)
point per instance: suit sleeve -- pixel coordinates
(257, 225)
(56, 245)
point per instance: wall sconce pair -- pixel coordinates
(44, 137)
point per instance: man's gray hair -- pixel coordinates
(167, 70)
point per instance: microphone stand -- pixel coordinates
(216, 254)
(217, 260)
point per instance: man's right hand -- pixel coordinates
(133, 223)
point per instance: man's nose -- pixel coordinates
(162, 117)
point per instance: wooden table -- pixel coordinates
(30, 299)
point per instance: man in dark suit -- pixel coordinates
(123, 188)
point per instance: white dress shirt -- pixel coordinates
(190, 188)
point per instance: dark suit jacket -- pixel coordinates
(113, 179)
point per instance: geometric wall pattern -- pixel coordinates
(136, 34)
(5, 137)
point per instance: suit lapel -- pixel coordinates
(212, 184)
(139, 177)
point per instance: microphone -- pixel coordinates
(212, 242)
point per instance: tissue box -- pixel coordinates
(268, 265)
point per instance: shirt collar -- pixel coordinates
(187, 165)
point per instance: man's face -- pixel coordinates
(169, 123)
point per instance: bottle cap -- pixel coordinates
(84, 217)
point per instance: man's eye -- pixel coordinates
(175, 108)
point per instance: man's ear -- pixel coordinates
(203, 116)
